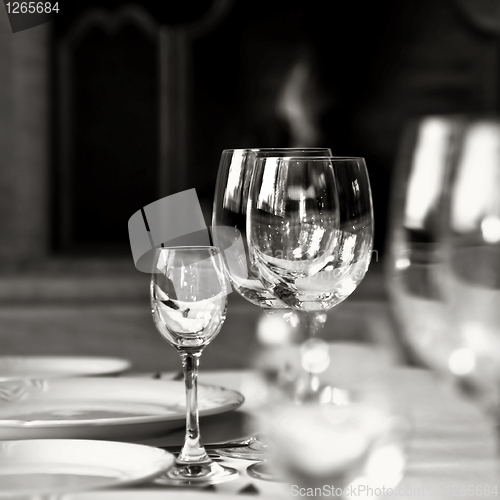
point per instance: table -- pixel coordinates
(452, 445)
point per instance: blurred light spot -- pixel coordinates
(402, 263)
(476, 337)
(298, 103)
(462, 361)
(490, 227)
(315, 356)
(359, 484)
(335, 395)
(273, 329)
(315, 383)
(386, 464)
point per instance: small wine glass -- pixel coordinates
(310, 231)
(189, 301)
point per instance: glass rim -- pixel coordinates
(232, 150)
(317, 158)
(190, 247)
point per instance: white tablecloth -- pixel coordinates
(451, 448)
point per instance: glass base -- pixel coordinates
(199, 474)
(254, 450)
(264, 471)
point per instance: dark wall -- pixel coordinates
(358, 70)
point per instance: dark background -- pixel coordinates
(114, 105)
(365, 69)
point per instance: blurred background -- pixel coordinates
(115, 104)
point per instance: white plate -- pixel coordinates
(54, 466)
(25, 367)
(145, 493)
(102, 408)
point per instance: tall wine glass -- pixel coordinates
(229, 234)
(310, 234)
(189, 301)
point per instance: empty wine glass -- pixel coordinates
(229, 227)
(189, 300)
(310, 235)
(229, 234)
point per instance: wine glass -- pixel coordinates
(310, 235)
(354, 433)
(229, 234)
(229, 218)
(415, 244)
(471, 270)
(189, 301)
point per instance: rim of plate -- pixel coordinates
(114, 365)
(101, 442)
(239, 399)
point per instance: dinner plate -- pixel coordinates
(25, 367)
(102, 408)
(145, 493)
(35, 468)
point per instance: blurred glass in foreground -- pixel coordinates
(414, 270)
(471, 225)
(444, 266)
(352, 434)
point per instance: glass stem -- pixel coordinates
(313, 323)
(193, 451)
(310, 385)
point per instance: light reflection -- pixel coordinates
(314, 356)
(402, 263)
(476, 181)
(298, 103)
(427, 172)
(490, 228)
(386, 464)
(462, 362)
(232, 194)
(268, 192)
(274, 329)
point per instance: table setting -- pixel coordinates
(292, 234)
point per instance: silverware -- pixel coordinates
(220, 446)
(179, 375)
